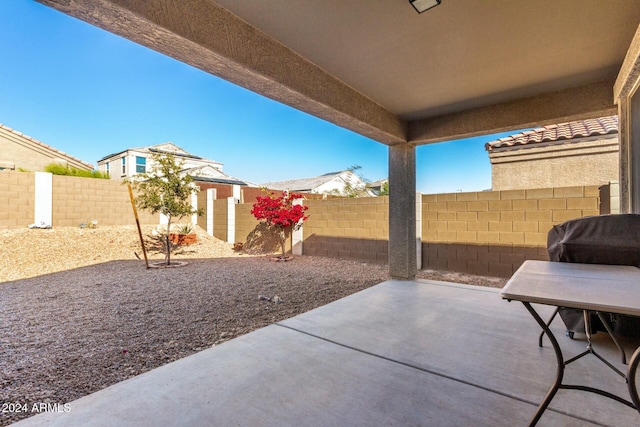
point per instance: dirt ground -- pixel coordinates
(79, 311)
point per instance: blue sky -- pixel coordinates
(90, 93)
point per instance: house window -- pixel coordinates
(141, 164)
(107, 167)
(124, 166)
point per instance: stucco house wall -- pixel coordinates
(339, 183)
(569, 154)
(19, 151)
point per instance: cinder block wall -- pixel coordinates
(255, 237)
(78, 200)
(74, 200)
(348, 228)
(17, 193)
(487, 233)
(492, 233)
(245, 222)
(220, 216)
(202, 204)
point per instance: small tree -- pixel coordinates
(384, 189)
(353, 189)
(280, 213)
(166, 190)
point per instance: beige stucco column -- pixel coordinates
(627, 97)
(402, 211)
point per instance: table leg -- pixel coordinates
(631, 378)
(555, 313)
(559, 371)
(631, 372)
(605, 323)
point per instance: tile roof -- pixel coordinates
(559, 132)
(48, 147)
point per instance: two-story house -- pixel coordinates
(205, 172)
(133, 161)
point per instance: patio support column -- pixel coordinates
(629, 154)
(402, 211)
(629, 135)
(623, 140)
(627, 97)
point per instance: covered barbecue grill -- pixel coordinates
(604, 239)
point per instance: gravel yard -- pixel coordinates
(79, 311)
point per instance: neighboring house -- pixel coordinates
(379, 187)
(207, 173)
(21, 152)
(337, 183)
(133, 161)
(584, 152)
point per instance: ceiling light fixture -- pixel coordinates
(424, 5)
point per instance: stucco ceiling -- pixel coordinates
(459, 55)
(463, 68)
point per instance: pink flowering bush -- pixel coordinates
(280, 212)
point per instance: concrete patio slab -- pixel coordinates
(400, 353)
(470, 334)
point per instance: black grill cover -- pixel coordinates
(604, 239)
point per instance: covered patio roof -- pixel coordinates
(461, 69)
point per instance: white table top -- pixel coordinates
(607, 288)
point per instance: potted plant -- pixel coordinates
(184, 235)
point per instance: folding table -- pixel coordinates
(590, 287)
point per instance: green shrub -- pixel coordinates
(58, 169)
(185, 228)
